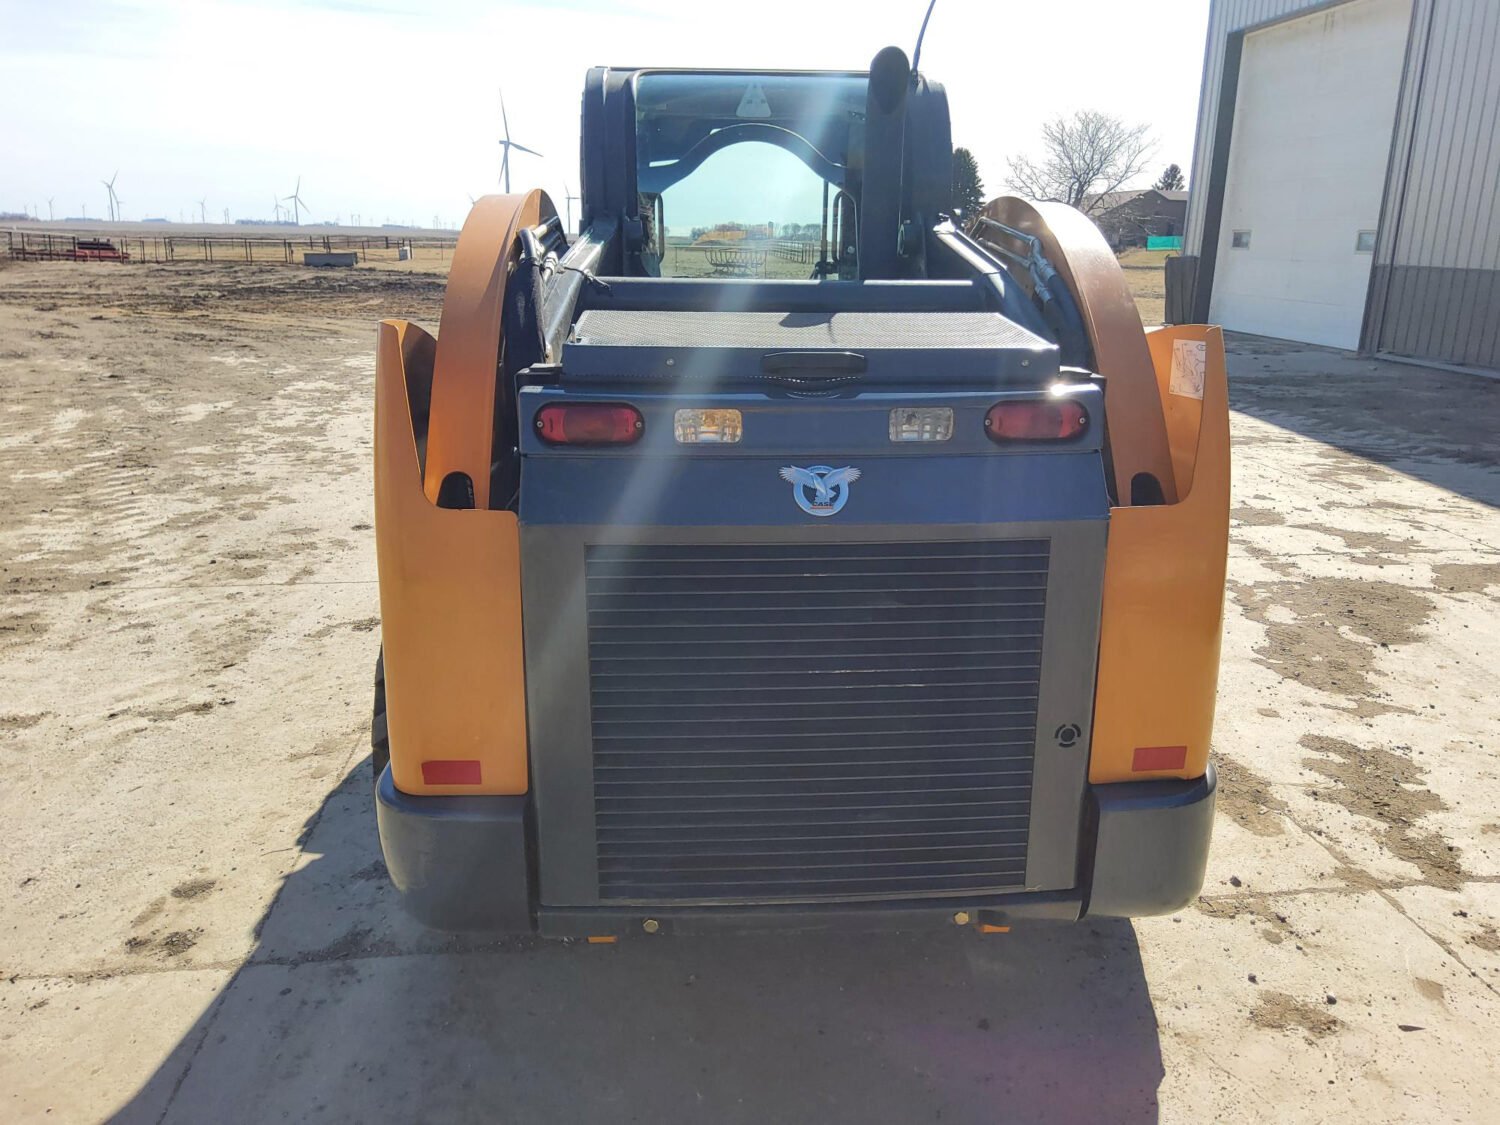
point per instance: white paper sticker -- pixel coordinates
(1188, 360)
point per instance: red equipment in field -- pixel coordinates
(67, 249)
(98, 250)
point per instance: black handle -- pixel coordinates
(813, 365)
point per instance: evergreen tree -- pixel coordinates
(968, 188)
(1171, 179)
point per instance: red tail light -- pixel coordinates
(589, 423)
(1052, 419)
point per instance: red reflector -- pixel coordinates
(1036, 420)
(589, 423)
(1149, 758)
(453, 772)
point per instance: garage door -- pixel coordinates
(1307, 162)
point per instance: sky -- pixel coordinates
(388, 110)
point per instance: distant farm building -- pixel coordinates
(1130, 218)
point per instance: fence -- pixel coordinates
(801, 252)
(220, 247)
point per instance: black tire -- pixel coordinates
(380, 738)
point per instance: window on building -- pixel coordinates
(1240, 240)
(1364, 242)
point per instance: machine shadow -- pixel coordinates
(347, 1011)
(1436, 426)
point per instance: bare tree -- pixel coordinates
(1085, 157)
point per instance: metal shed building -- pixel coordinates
(1346, 177)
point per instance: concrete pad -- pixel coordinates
(161, 816)
(1276, 1046)
(1047, 1026)
(82, 1050)
(1466, 922)
(337, 901)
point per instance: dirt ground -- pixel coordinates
(197, 924)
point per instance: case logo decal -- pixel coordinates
(820, 491)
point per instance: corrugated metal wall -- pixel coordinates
(1435, 293)
(1435, 287)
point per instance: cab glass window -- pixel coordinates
(744, 175)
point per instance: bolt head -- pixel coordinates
(961, 918)
(651, 925)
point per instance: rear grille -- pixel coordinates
(812, 721)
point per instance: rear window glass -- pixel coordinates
(744, 175)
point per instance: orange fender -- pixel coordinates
(1163, 612)
(450, 579)
(470, 339)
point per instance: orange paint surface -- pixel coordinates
(450, 603)
(1163, 610)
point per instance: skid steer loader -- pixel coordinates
(777, 552)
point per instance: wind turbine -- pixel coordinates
(114, 200)
(296, 201)
(569, 197)
(203, 210)
(276, 204)
(506, 144)
(49, 207)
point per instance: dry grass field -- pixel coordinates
(1145, 273)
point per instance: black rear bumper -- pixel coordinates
(1150, 845)
(464, 863)
(459, 863)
